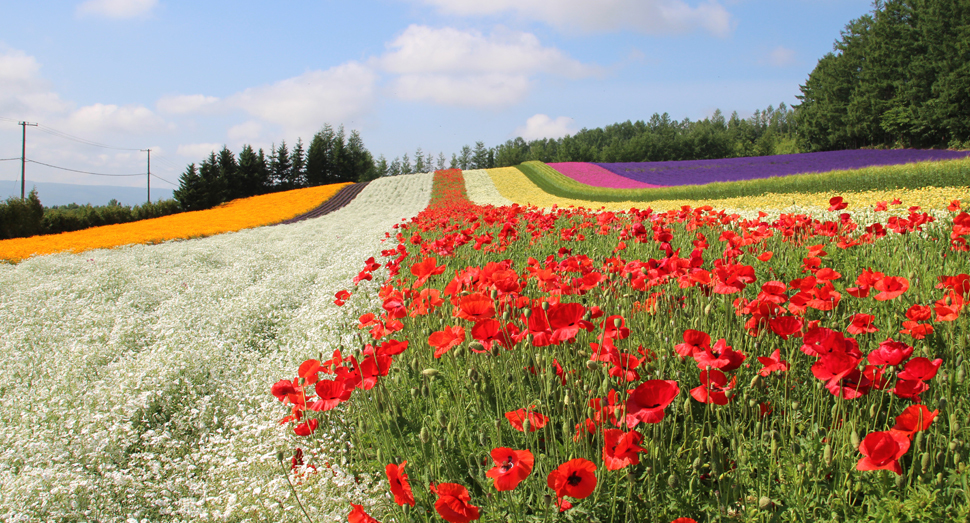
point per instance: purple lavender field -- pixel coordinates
(700, 172)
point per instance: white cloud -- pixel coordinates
(471, 90)
(198, 150)
(781, 57)
(17, 66)
(454, 67)
(100, 118)
(300, 105)
(245, 132)
(22, 90)
(422, 49)
(541, 126)
(182, 104)
(117, 8)
(643, 16)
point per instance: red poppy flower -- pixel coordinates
(919, 313)
(694, 341)
(720, 356)
(332, 393)
(357, 515)
(910, 389)
(511, 467)
(834, 364)
(610, 330)
(714, 387)
(890, 353)
(447, 339)
(475, 307)
(425, 269)
(341, 297)
(536, 420)
(890, 287)
(306, 428)
(454, 503)
(862, 324)
(684, 520)
(785, 326)
(621, 448)
(914, 419)
(565, 320)
(773, 363)
(837, 204)
(917, 330)
(285, 390)
(882, 451)
(490, 331)
(850, 384)
(648, 401)
(948, 309)
(575, 478)
(920, 369)
(865, 280)
(400, 486)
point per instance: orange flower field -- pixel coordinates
(236, 215)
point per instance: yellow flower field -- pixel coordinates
(243, 213)
(515, 186)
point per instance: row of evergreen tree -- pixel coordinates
(899, 77)
(332, 157)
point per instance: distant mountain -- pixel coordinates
(65, 193)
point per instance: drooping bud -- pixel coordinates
(593, 365)
(429, 373)
(827, 454)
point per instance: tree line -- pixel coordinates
(28, 217)
(332, 157)
(898, 77)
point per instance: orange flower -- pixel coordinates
(243, 213)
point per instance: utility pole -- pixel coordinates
(149, 175)
(23, 158)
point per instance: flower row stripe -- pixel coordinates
(236, 215)
(513, 185)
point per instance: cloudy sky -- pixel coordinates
(185, 77)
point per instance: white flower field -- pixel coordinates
(136, 381)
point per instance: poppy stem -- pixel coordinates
(286, 476)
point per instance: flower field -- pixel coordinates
(596, 176)
(515, 186)
(700, 172)
(686, 365)
(453, 347)
(134, 378)
(232, 216)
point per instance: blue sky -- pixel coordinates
(183, 77)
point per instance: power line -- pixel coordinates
(164, 180)
(61, 134)
(82, 172)
(8, 159)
